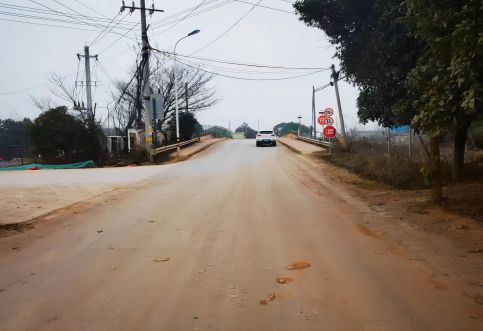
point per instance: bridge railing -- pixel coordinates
(174, 146)
(315, 141)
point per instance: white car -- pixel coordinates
(266, 138)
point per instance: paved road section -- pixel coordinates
(204, 245)
(25, 195)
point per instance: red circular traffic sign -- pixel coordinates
(329, 131)
(328, 112)
(321, 120)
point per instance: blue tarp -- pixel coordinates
(400, 129)
(79, 165)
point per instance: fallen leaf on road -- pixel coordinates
(474, 251)
(263, 302)
(298, 265)
(163, 259)
(271, 297)
(100, 231)
(284, 280)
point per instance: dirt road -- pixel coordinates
(229, 221)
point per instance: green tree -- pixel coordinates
(249, 132)
(188, 127)
(218, 132)
(446, 83)
(13, 133)
(374, 49)
(284, 128)
(56, 132)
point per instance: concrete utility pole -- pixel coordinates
(186, 95)
(145, 60)
(87, 58)
(335, 76)
(314, 125)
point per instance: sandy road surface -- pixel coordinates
(229, 220)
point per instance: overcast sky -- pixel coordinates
(265, 36)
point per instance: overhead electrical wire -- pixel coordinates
(45, 24)
(238, 63)
(183, 18)
(74, 11)
(97, 25)
(169, 21)
(54, 13)
(247, 78)
(229, 29)
(102, 34)
(263, 6)
(179, 14)
(117, 40)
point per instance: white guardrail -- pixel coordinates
(315, 141)
(181, 144)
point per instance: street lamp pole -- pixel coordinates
(300, 117)
(176, 89)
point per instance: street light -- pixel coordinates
(176, 87)
(300, 117)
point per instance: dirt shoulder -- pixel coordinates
(447, 246)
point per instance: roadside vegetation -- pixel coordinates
(416, 62)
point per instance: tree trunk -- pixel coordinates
(437, 181)
(461, 130)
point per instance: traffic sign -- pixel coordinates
(329, 121)
(328, 112)
(321, 119)
(329, 131)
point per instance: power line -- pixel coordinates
(175, 16)
(230, 28)
(90, 8)
(98, 37)
(247, 78)
(167, 22)
(183, 18)
(74, 11)
(53, 13)
(45, 24)
(266, 7)
(240, 63)
(122, 36)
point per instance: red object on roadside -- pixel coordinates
(133, 165)
(329, 131)
(34, 168)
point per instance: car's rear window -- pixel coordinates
(266, 132)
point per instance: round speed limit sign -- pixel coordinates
(328, 112)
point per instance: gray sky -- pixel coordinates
(31, 52)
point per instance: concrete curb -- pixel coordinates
(185, 157)
(293, 149)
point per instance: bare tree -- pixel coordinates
(129, 110)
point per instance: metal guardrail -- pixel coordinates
(315, 142)
(174, 146)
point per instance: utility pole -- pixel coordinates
(314, 125)
(335, 76)
(145, 60)
(87, 58)
(186, 95)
